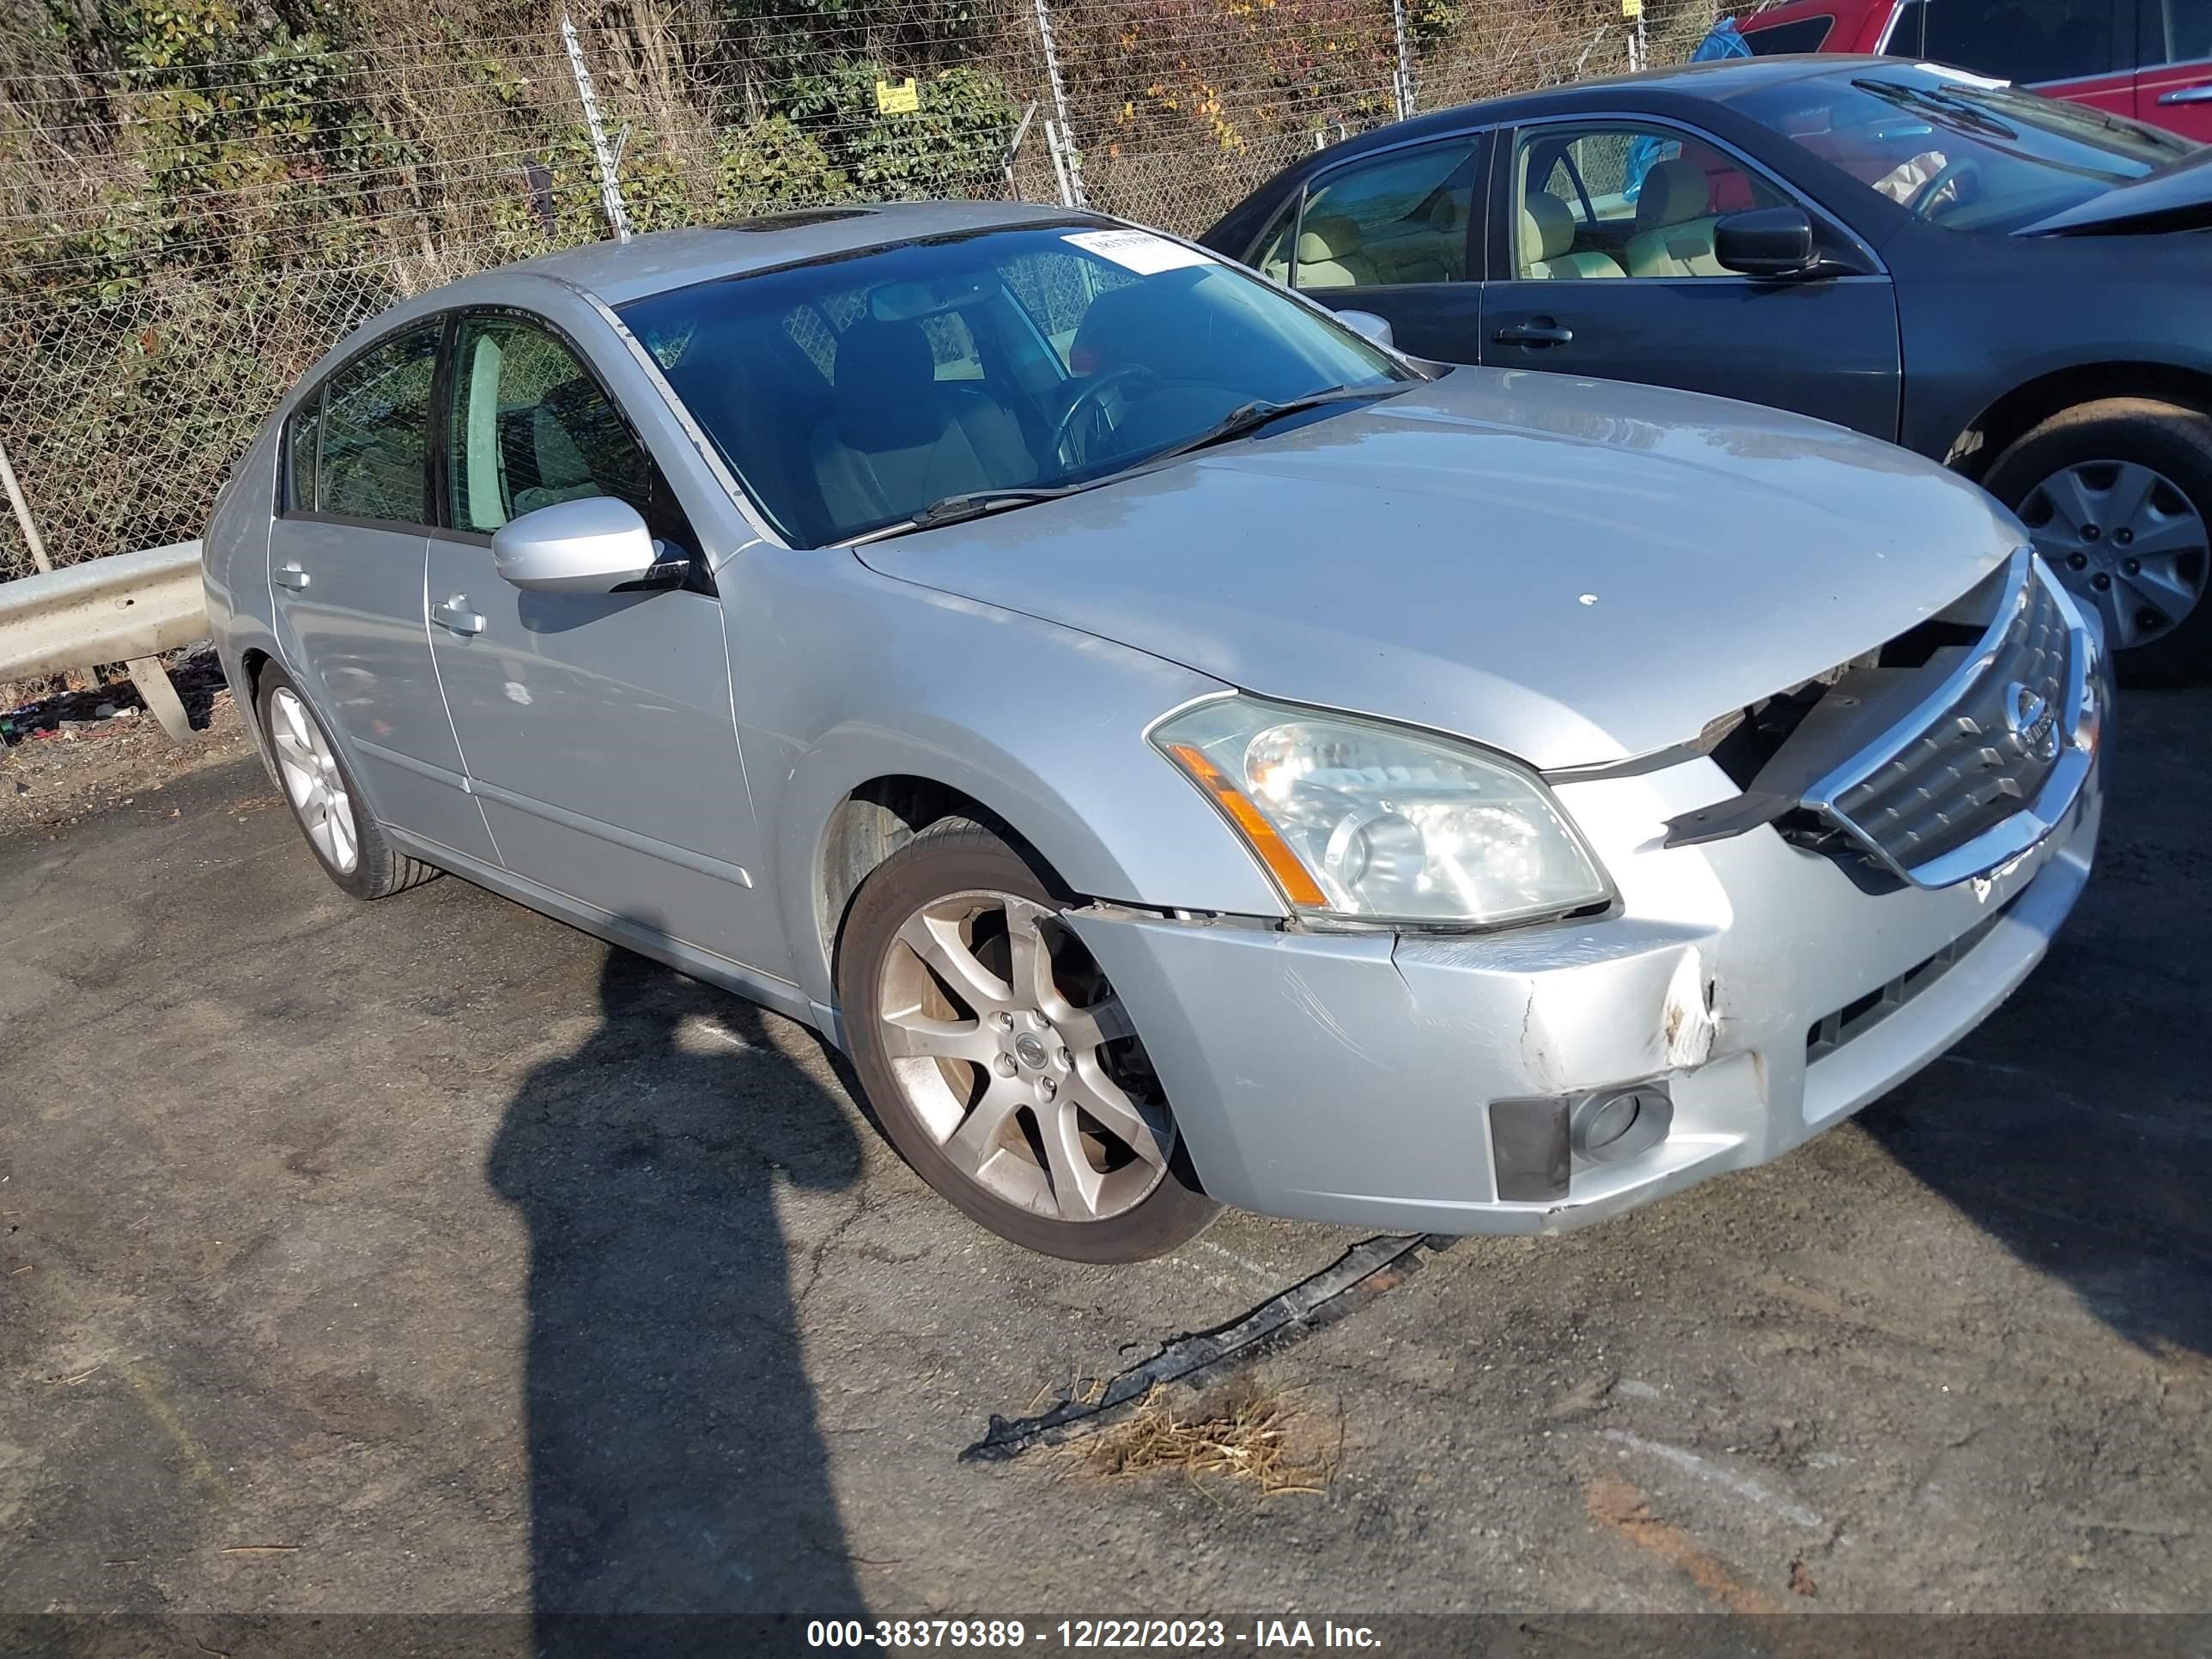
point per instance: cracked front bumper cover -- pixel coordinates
(1348, 1078)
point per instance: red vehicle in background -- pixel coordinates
(2151, 59)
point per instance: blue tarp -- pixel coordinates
(1725, 40)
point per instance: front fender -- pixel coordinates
(845, 676)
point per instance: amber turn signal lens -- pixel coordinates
(1282, 863)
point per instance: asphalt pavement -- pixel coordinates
(428, 1255)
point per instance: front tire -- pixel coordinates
(326, 803)
(1000, 1062)
(2117, 496)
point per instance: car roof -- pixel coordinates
(1714, 82)
(657, 261)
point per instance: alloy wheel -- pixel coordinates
(312, 781)
(1018, 1059)
(2124, 538)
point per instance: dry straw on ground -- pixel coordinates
(1242, 1430)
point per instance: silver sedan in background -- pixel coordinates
(1184, 751)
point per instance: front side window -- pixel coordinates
(373, 448)
(1401, 218)
(847, 395)
(1958, 151)
(1622, 200)
(2022, 40)
(532, 428)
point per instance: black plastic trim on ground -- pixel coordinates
(1358, 1276)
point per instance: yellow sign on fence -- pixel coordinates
(1632, 7)
(903, 99)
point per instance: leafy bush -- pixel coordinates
(952, 145)
(198, 197)
(770, 165)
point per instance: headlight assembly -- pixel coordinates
(1358, 821)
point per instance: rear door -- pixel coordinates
(2173, 88)
(1603, 237)
(346, 559)
(1393, 232)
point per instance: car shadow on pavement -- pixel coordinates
(675, 1466)
(2082, 1170)
(2072, 1125)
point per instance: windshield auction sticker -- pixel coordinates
(1137, 250)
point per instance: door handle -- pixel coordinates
(289, 575)
(455, 613)
(1543, 333)
(2187, 95)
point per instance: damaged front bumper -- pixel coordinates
(1747, 992)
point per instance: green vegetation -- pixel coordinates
(197, 197)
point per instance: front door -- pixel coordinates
(1390, 233)
(1603, 250)
(597, 728)
(346, 558)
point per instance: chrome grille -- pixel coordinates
(1978, 773)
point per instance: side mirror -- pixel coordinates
(1366, 323)
(1776, 241)
(589, 546)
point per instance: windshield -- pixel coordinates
(851, 394)
(1959, 151)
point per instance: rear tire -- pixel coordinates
(1000, 1062)
(2118, 494)
(326, 803)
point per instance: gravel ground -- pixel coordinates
(427, 1256)
(73, 753)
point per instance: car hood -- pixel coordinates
(2179, 197)
(1575, 572)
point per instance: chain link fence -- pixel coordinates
(191, 214)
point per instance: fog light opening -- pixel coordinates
(1614, 1124)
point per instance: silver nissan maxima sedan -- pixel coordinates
(1182, 751)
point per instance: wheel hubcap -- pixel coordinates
(312, 781)
(2125, 539)
(1019, 1059)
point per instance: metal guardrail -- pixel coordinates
(125, 609)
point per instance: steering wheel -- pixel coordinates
(1922, 203)
(1091, 399)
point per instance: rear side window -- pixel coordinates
(373, 439)
(1402, 218)
(2176, 31)
(1804, 34)
(1908, 31)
